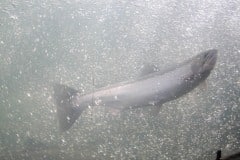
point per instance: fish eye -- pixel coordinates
(206, 55)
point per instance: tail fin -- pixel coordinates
(67, 113)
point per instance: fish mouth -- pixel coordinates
(210, 58)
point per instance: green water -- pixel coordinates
(88, 44)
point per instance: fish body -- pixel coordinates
(152, 89)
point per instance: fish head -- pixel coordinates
(209, 59)
(203, 64)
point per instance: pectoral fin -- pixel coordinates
(114, 111)
(155, 110)
(203, 85)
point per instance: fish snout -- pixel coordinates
(210, 58)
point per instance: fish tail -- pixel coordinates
(67, 112)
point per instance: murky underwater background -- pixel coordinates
(89, 44)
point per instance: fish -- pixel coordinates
(153, 88)
(235, 156)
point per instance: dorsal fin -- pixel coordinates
(148, 69)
